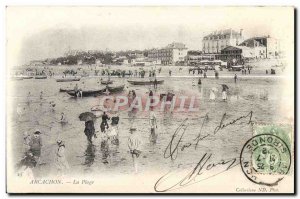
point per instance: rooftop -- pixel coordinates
(224, 33)
(176, 45)
(236, 48)
(254, 40)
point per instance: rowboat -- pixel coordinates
(65, 89)
(40, 77)
(68, 79)
(115, 89)
(106, 82)
(147, 82)
(86, 93)
(17, 78)
(27, 77)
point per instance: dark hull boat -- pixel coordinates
(40, 77)
(115, 89)
(106, 82)
(68, 79)
(27, 77)
(65, 89)
(87, 93)
(136, 82)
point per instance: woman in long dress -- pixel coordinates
(26, 141)
(224, 95)
(113, 135)
(60, 160)
(134, 145)
(89, 130)
(212, 95)
(36, 145)
(153, 127)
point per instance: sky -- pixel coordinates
(35, 33)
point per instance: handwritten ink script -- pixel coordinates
(206, 162)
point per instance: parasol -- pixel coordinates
(87, 116)
(225, 87)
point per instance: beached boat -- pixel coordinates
(27, 77)
(115, 89)
(40, 77)
(68, 79)
(236, 68)
(86, 93)
(106, 82)
(144, 82)
(16, 78)
(65, 89)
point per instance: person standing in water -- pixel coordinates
(212, 95)
(155, 83)
(235, 78)
(134, 145)
(63, 118)
(199, 81)
(216, 74)
(28, 98)
(60, 160)
(41, 95)
(224, 94)
(104, 119)
(26, 141)
(153, 127)
(36, 145)
(89, 130)
(76, 90)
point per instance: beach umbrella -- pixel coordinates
(225, 87)
(87, 116)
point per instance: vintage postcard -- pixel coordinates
(150, 99)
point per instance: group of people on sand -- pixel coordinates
(107, 131)
(199, 71)
(110, 132)
(212, 95)
(32, 149)
(244, 71)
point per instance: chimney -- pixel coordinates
(241, 32)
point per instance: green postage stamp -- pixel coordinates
(266, 157)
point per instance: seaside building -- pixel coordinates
(171, 54)
(214, 42)
(253, 48)
(195, 58)
(242, 53)
(270, 45)
(37, 63)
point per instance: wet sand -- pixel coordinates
(248, 94)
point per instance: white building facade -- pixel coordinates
(171, 54)
(218, 40)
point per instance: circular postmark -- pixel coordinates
(265, 159)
